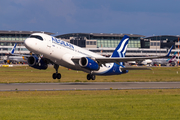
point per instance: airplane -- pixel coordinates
(147, 62)
(165, 61)
(15, 57)
(7, 60)
(131, 63)
(49, 49)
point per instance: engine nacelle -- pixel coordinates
(33, 62)
(88, 63)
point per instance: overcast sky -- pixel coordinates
(144, 17)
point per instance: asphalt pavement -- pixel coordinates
(87, 86)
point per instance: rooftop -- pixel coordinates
(164, 37)
(24, 32)
(99, 34)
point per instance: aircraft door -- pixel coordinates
(49, 44)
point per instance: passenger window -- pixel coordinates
(37, 37)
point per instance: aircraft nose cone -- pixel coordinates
(28, 44)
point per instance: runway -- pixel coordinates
(87, 86)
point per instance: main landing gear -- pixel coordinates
(56, 75)
(91, 76)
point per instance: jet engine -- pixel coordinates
(88, 63)
(33, 62)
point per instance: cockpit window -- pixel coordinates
(36, 36)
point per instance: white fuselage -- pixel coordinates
(17, 58)
(61, 53)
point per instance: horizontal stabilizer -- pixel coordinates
(136, 68)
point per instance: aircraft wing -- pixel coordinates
(125, 59)
(20, 55)
(136, 68)
(104, 60)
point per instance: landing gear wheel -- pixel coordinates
(56, 75)
(91, 76)
(88, 77)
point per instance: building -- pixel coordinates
(96, 40)
(9, 38)
(100, 43)
(105, 44)
(160, 42)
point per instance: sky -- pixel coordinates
(144, 17)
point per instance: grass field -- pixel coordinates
(83, 105)
(87, 105)
(26, 74)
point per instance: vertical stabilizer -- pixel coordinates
(173, 58)
(13, 49)
(120, 50)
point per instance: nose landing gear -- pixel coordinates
(56, 75)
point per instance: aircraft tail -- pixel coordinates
(173, 58)
(120, 50)
(13, 49)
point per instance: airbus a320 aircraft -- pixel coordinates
(49, 49)
(16, 58)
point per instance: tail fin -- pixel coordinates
(173, 58)
(120, 50)
(169, 51)
(13, 49)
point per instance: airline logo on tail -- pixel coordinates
(12, 51)
(120, 51)
(173, 58)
